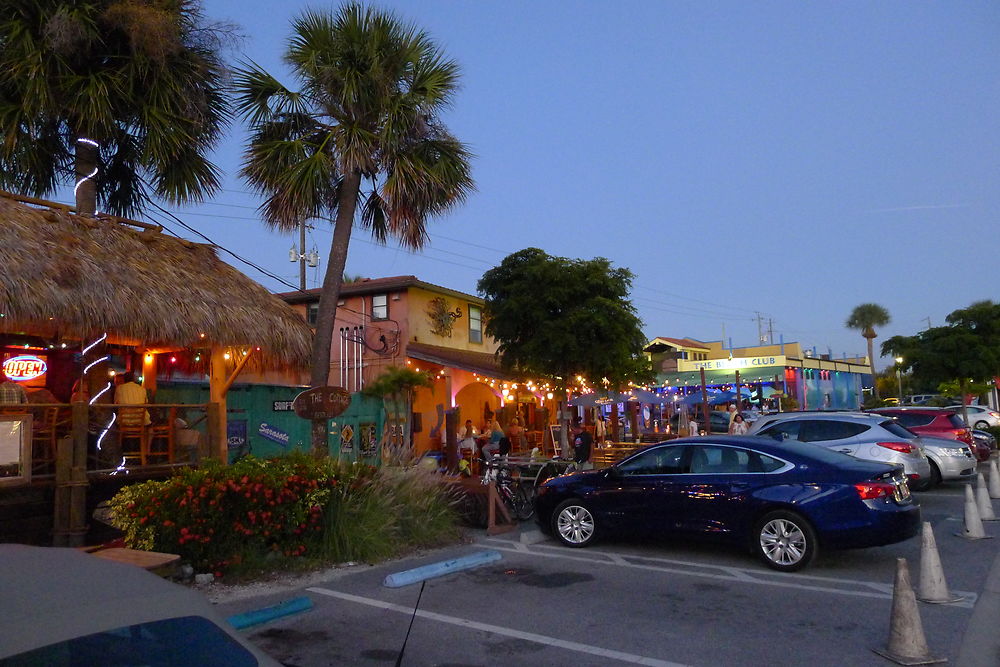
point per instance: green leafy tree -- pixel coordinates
(372, 89)
(955, 353)
(982, 318)
(559, 318)
(865, 318)
(129, 92)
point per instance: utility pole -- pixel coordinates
(760, 327)
(770, 330)
(302, 255)
(928, 322)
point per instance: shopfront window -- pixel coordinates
(312, 314)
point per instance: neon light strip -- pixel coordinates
(107, 428)
(92, 345)
(94, 363)
(99, 394)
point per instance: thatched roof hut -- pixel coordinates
(81, 276)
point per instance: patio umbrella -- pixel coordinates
(594, 399)
(643, 396)
(767, 392)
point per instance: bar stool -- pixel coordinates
(44, 434)
(164, 434)
(132, 429)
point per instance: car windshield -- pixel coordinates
(174, 642)
(897, 430)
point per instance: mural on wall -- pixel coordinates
(442, 320)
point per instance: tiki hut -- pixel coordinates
(72, 277)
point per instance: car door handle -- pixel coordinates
(844, 451)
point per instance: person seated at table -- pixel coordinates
(496, 435)
(467, 438)
(11, 392)
(130, 392)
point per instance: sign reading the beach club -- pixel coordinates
(25, 367)
(736, 363)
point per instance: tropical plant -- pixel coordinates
(865, 318)
(396, 387)
(125, 96)
(559, 318)
(372, 89)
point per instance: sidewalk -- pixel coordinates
(981, 642)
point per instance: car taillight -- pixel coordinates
(873, 490)
(993, 414)
(904, 447)
(964, 434)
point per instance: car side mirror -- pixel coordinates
(613, 473)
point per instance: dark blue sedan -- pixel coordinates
(782, 501)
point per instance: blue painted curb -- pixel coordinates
(440, 568)
(258, 616)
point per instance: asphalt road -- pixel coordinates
(663, 603)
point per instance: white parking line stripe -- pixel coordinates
(746, 576)
(499, 630)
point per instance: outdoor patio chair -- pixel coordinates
(133, 434)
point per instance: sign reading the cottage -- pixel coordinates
(321, 403)
(736, 363)
(25, 367)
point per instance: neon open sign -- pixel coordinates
(25, 367)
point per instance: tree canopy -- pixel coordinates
(557, 318)
(129, 93)
(366, 115)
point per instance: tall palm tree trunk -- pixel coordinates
(85, 166)
(870, 337)
(332, 282)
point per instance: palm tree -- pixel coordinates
(367, 112)
(123, 95)
(865, 318)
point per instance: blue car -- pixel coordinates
(781, 501)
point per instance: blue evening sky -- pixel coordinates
(789, 158)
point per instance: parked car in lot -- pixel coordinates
(937, 422)
(980, 416)
(951, 461)
(784, 502)
(920, 399)
(864, 436)
(984, 440)
(63, 607)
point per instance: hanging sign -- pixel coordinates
(25, 367)
(321, 403)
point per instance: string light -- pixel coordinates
(91, 142)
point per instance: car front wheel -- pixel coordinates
(573, 524)
(785, 541)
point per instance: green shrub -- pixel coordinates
(259, 515)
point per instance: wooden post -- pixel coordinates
(615, 436)
(704, 403)
(149, 374)
(633, 419)
(451, 442)
(217, 386)
(739, 399)
(217, 441)
(78, 475)
(69, 521)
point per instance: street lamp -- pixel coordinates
(899, 377)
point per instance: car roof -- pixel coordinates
(915, 409)
(820, 414)
(52, 595)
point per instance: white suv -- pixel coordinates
(863, 436)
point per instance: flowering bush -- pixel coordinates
(261, 514)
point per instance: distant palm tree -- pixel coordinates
(371, 91)
(865, 318)
(123, 91)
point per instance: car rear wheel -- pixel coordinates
(982, 426)
(785, 541)
(573, 524)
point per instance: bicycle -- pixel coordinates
(511, 490)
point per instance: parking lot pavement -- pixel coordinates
(663, 603)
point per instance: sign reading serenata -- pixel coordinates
(25, 367)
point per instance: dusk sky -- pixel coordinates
(792, 159)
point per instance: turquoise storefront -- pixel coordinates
(261, 422)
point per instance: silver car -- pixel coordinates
(951, 460)
(980, 416)
(864, 436)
